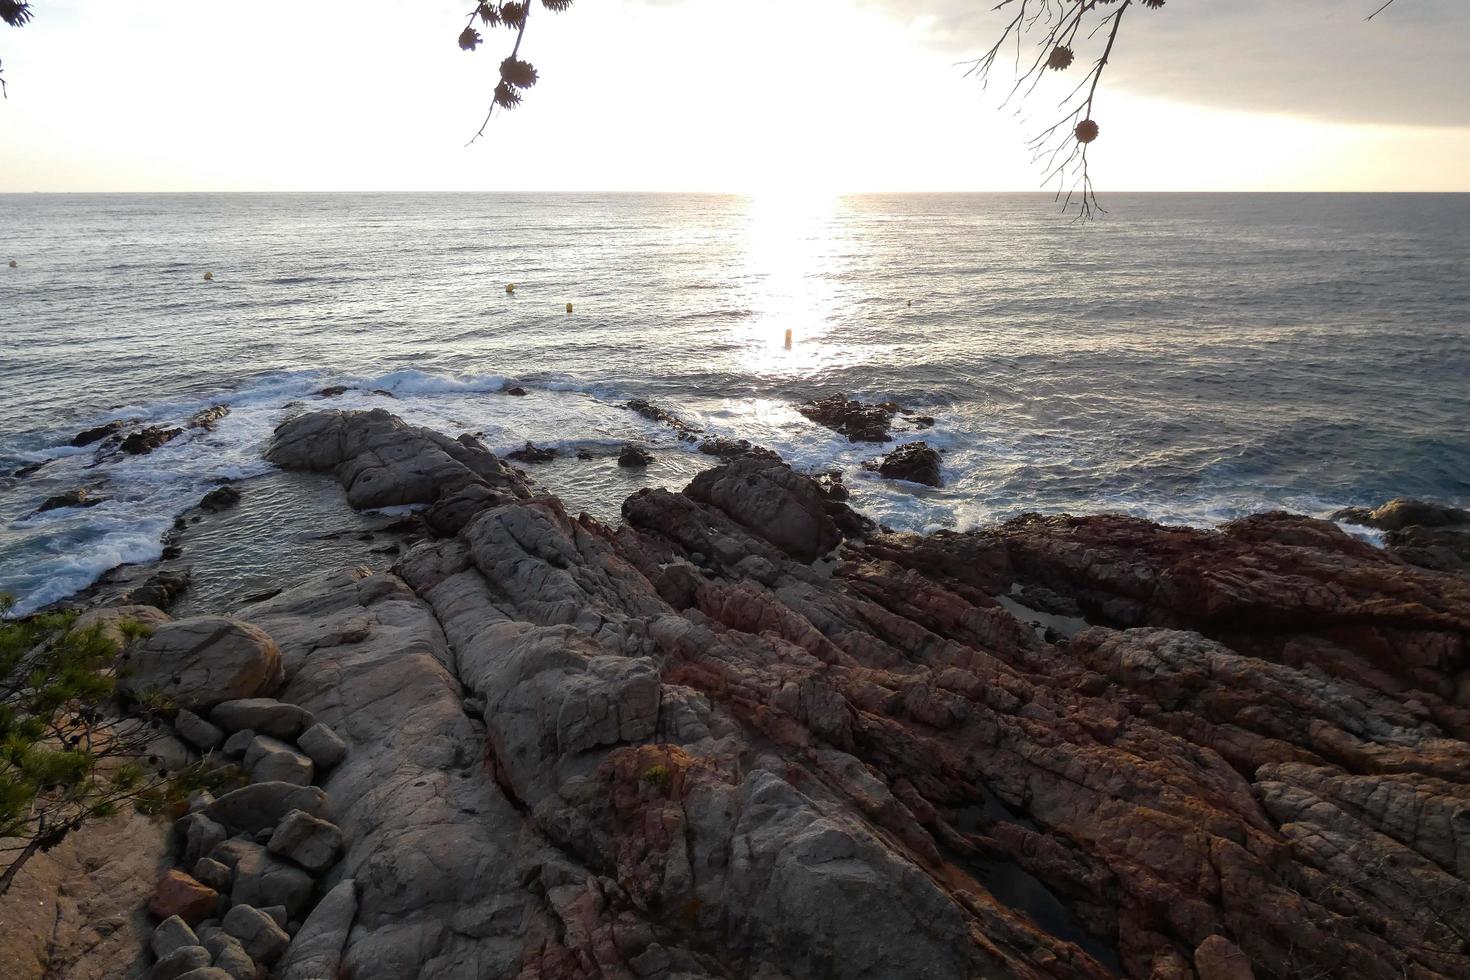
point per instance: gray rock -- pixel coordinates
(261, 938)
(263, 881)
(316, 951)
(237, 743)
(261, 805)
(277, 912)
(270, 759)
(199, 799)
(172, 933)
(382, 461)
(310, 841)
(264, 716)
(205, 973)
(773, 501)
(323, 745)
(216, 875)
(231, 957)
(196, 731)
(196, 663)
(201, 835)
(180, 962)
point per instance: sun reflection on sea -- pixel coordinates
(792, 254)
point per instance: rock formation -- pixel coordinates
(745, 735)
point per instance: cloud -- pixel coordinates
(1315, 58)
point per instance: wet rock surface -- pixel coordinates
(913, 461)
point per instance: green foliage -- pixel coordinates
(65, 756)
(132, 629)
(658, 777)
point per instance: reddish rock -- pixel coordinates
(181, 895)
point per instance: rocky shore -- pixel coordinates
(747, 733)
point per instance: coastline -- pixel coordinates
(747, 729)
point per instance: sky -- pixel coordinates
(714, 95)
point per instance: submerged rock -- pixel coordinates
(532, 454)
(220, 498)
(80, 497)
(858, 421)
(146, 440)
(634, 456)
(88, 436)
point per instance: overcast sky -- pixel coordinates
(842, 95)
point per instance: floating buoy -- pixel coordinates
(911, 302)
(209, 277)
(569, 307)
(510, 288)
(13, 266)
(788, 338)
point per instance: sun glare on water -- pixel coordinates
(791, 255)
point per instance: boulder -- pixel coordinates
(263, 716)
(261, 805)
(773, 502)
(172, 933)
(316, 950)
(261, 881)
(237, 743)
(310, 841)
(196, 663)
(213, 873)
(1402, 512)
(178, 894)
(913, 461)
(230, 956)
(201, 836)
(271, 760)
(205, 973)
(112, 620)
(259, 936)
(196, 731)
(381, 461)
(323, 745)
(180, 962)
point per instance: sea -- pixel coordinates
(1189, 358)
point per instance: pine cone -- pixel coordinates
(1060, 58)
(1086, 131)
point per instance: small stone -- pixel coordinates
(199, 799)
(310, 841)
(180, 962)
(172, 933)
(219, 498)
(269, 759)
(205, 973)
(323, 745)
(178, 894)
(214, 874)
(277, 912)
(237, 743)
(261, 938)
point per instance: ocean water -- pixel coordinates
(1189, 358)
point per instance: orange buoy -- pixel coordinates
(569, 307)
(209, 277)
(510, 288)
